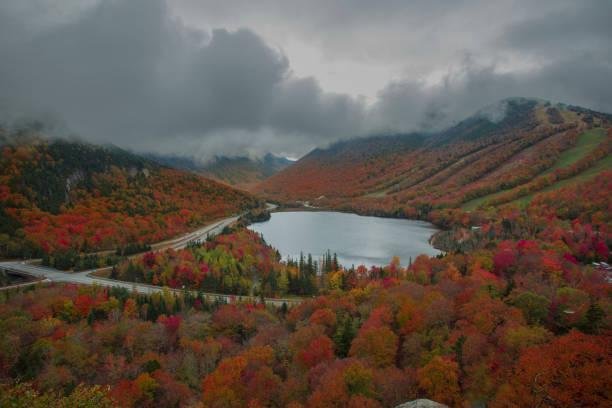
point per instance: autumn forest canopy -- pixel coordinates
(187, 191)
(59, 197)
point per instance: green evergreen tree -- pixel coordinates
(344, 335)
(310, 267)
(301, 265)
(593, 319)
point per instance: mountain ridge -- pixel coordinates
(59, 195)
(476, 157)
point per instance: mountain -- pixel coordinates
(520, 294)
(243, 172)
(177, 162)
(240, 172)
(58, 195)
(504, 153)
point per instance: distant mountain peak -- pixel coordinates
(496, 111)
(238, 171)
(500, 147)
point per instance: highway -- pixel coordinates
(200, 234)
(87, 278)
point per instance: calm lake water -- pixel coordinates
(356, 239)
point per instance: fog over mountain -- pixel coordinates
(238, 78)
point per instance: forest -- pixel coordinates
(464, 328)
(53, 205)
(517, 314)
(305, 204)
(238, 261)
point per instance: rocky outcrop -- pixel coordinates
(72, 181)
(422, 403)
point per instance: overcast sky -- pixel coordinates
(243, 77)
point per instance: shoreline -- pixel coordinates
(432, 239)
(421, 243)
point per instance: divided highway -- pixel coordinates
(200, 234)
(86, 278)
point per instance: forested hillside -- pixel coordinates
(58, 195)
(537, 146)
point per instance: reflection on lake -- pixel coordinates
(356, 239)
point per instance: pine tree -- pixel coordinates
(344, 335)
(283, 283)
(301, 265)
(328, 262)
(593, 319)
(310, 265)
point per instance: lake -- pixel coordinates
(356, 239)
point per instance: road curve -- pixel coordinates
(86, 277)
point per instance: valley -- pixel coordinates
(176, 289)
(240, 172)
(308, 204)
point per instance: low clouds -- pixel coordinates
(131, 72)
(411, 105)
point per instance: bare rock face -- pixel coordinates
(72, 181)
(422, 403)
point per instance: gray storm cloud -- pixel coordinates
(133, 74)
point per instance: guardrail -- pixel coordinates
(25, 284)
(229, 298)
